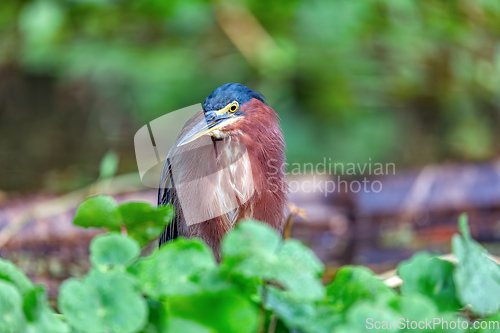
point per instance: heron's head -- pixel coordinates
(223, 107)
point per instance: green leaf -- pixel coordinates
(295, 314)
(100, 211)
(103, 302)
(157, 317)
(427, 275)
(11, 311)
(309, 317)
(299, 270)
(251, 240)
(9, 272)
(39, 315)
(175, 324)
(143, 222)
(416, 309)
(255, 250)
(477, 277)
(352, 284)
(113, 249)
(171, 269)
(463, 226)
(364, 316)
(251, 250)
(109, 165)
(223, 311)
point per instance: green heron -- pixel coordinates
(227, 164)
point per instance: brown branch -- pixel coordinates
(294, 211)
(59, 205)
(244, 31)
(272, 323)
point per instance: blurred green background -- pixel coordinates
(407, 81)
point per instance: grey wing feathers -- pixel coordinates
(167, 195)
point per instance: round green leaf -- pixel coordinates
(11, 311)
(103, 302)
(352, 284)
(250, 238)
(430, 276)
(9, 272)
(306, 316)
(251, 250)
(113, 249)
(223, 311)
(364, 314)
(100, 211)
(476, 276)
(175, 324)
(255, 250)
(169, 271)
(39, 315)
(144, 222)
(299, 272)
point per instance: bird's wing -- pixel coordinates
(188, 182)
(167, 193)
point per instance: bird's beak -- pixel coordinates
(208, 124)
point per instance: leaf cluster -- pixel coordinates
(263, 283)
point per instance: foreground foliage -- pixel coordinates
(263, 284)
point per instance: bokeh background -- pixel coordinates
(410, 82)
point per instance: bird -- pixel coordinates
(227, 164)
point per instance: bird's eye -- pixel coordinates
(233, 107)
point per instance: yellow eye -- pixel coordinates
(233, 107)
